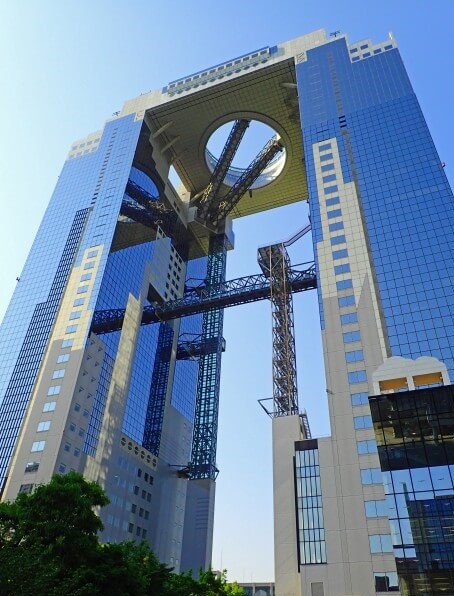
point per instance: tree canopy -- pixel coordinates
(49, 546)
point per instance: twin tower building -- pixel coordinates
(110, 351)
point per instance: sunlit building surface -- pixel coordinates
(111, 347)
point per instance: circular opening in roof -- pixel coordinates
(255, 137)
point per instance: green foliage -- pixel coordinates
(49, 546)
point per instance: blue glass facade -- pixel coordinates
(407, 205)
(82, 212)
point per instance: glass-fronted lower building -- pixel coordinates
(415, 431)
(111, 347)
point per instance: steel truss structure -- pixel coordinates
(275, 264)
(158, 390)
(204, 297)
(210, 297)
(204, 440)
(222, 166)
(219, 207)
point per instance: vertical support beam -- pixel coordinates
(158, 390)
(275, 264)
(204, 440)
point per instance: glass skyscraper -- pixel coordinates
(97, 376)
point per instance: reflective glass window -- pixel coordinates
(371, 476)
(386, 581)
(49, 406)
(338, 269)
(354, 356)
(54, 390)
(340, 254)
(366, 447)
(346, 300)
(344, 284)
(361, 422)
(349, 318)
(351, 336)
(42, 426)
(377, 508)
(380, 543)
(337, 240)
(38, 446)
(357, 376)
(360, 398)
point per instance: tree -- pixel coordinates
(49, 546)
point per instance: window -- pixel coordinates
(26, 488)
(58, 374)
(380, 543)
(332, 201)
(85, 277)
(67, 447)
(42, 426)
(82, 289)
(371, 476)
(32, 466)
(324, 147)
(334, 213)
(351, 336)
(327, 167)
(349, 318)
(357, 376)
(67, 343)
(361, 422)
(89, 265)
(49, 406)
(77, 407)
(78, 301)
(354, 356)
(311, 531)
(340, 254)
(92, 253)
(54, 390)
(71, 329)
(63, 358)
(75, 315)
(346, 301)
(330, 189)
(62, 468)
(329, 178)
(386, 581)
(366, 447)
(337, 240)
(359, 399)
(338, 269)
(344, 284)
(326, 157)
(376, 508)
(38, 446)
(334, 227)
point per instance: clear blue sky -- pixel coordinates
(67, 66)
